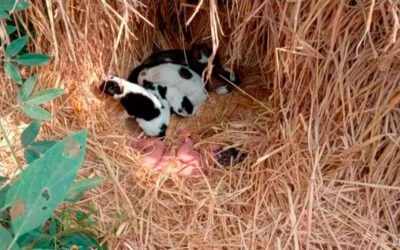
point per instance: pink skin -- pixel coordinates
(153, 150)
(187, 161)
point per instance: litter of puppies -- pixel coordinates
(170, 83)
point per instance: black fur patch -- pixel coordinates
(187, 105)
(185, 73)
(110, 88)
(148, 85)
(163, 91)
(140, 106)
(172, 111)
(231, 155)
(163, 130)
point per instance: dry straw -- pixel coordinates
(318, 114)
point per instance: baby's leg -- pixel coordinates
(191, 162)
(152, 149)
(166, 160)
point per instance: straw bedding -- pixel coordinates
(318, 115)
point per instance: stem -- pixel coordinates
(15, 5)
(13, 242)
(10, 146)
(8, 60)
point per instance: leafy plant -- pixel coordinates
(48, 180)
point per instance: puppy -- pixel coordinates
(152, 113)
(180, 104)
(196, 59)
(181, 80)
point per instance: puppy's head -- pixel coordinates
(112, 86)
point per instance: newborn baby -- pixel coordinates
(187, 162)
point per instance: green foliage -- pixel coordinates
(13, 72)
(33, 59)
(36, 112)
(48, 180)
(10, 29)
(30, 133)
(43, 96)
(26, 88)
(83, 241)
(16, 46)
(30, 155)
(44, 183)
(42, 146)
(6, 239)
(12, 5)
(3, 14)
(77, 188)
(36, 150)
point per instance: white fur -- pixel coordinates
(222, 90)
(152, 127)
(232, 75)
(175, 98)
(128, 87)
(167, 74)
(203, 58)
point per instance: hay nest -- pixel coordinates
(318, 115)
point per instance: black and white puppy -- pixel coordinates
(180, 104)
(184, 86)
(152, 112)
(196, 59)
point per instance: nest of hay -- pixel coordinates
(318, 115)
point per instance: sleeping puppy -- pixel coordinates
(152, 113)
(196, 59)
(184, 84)
(180, 104)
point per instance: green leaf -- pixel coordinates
(3, 194)
(37, 149)
(10, 29)
(16, 46)
(32, 236)
(44, 184)
(33, 59)
(9, 5)
(42, 146)
(53, 227)
(80, 216)
(22, 5)
(26, 89)
(44, 96)
(29, 134)
(3, 179)
(6, 239)
(82, 241)
(30, 155)
(36, 112)
(77, 188)
(3, 14)
(13, 72)
(45, 245)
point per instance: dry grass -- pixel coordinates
(318, 114)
